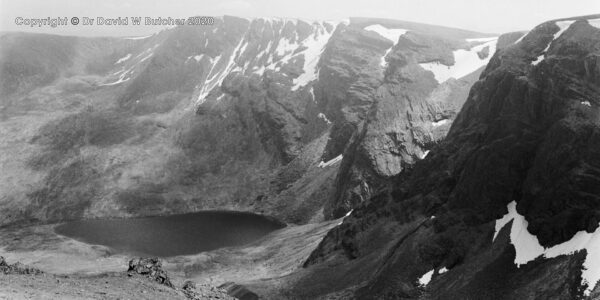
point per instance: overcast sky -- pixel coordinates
(495, 16)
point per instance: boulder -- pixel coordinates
(151, 268)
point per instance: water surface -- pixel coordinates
(172, 235)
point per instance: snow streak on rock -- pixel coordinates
(528, 248)
(214, 79)
(331, 162)
(563, 25)
(521, 38)
(390, 34)
(122, 59)
(139, 37)
(345, 216)
(482, 40)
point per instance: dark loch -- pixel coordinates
(172, 235)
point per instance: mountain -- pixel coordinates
(299, 120)
(506, 206)
(449, 164)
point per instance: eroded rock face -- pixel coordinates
(527, 132)
(399, 115)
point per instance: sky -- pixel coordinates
(497, 16)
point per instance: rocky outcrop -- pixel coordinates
(151, 268)
(17, 268)
(526, 133)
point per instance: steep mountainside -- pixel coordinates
(301, 120)
(506, 207)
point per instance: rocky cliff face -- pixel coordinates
(397, 119)
(506, 206)
(302, 120)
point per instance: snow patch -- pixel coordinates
(260, 71)
(331, 162)
(124, 58)
(392, 34)
(315, 44)
(426, 278)
(465, 62)
(538, 60)
(440, 123)
(442, 270)
(138, 37)
(285, 46)
(594, 22)
(323, 117)
(483, 40)
(587, 103)
(422, 156)
(286, 49)
(528, 247)
(197, 58)
(563, 25)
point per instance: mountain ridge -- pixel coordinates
(170, 94)
(424, 165)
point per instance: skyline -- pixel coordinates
(481, 16)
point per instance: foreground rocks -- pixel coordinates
(17, 268)
(113, 285)
(151, 268)
(204, 291)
